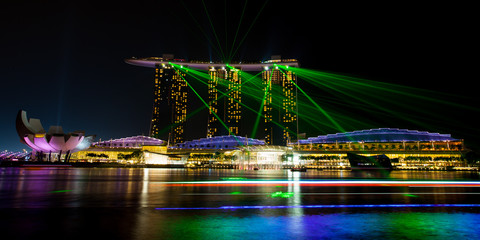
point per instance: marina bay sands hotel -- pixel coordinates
(279, 112)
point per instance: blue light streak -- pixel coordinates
(323, 206)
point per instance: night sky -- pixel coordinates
(63, 61)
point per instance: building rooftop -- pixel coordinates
(7, 155)
(130, 142)
(379, 135)
(219, 142)
(151, 62)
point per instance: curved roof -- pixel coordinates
(9, 155)
(32, 133)
(220, 142)
(130, 142)
(379, 135)
(152, 62)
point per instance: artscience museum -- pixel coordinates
(54, 145)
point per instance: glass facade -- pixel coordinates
(224, 85)
(408, 149)
(170, 104)
(224, 81)
(280, 106)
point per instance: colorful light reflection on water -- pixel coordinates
(384, 225)
(233, 204)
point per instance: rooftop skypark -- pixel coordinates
(152, 62)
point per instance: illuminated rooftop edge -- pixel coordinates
(152, 62)
(134, 141)
(220, 142)
(380, 135)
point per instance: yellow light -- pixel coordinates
(39, 135)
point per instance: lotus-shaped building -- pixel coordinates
(32, 133)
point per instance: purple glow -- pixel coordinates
(7, 155)
(220, 142)
(133, 142)
(33, 134)
(380, 135)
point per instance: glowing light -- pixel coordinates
(281, 194)
(60, 191)
(233, 178)
(326, 183)
(324, 206)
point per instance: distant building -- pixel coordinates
(15, 156)
(408, 149)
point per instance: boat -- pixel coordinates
(298, 169)
(34, 166)
(377, 162)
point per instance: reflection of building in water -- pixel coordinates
(296, 199)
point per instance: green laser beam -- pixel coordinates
(213, 30)
(340, 128)
(247, 107)
(257, 120)
(248, 31)
(206, 104)
(231, 55)
(201, 29)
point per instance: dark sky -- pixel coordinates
(63, 61)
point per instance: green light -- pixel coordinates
(281, 194)
(213, 30)
(260, 111)
(233, 178)
(252, 92)
(235, 193)
(60, 191)
(340, 128)
(205, 103)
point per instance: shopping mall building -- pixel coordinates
(407, 149)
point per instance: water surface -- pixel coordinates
(122, 203)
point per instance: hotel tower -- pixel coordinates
(280, 106)
(169, 104)
(224, 100)
(224, 88)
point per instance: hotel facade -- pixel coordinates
(407, 150)
(225, 111)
